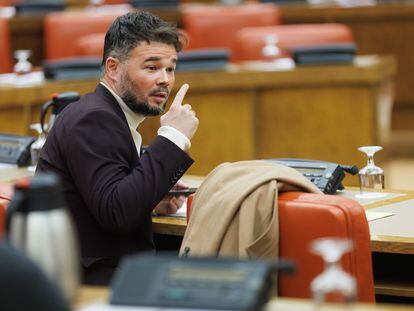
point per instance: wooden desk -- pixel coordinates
(321, 112)
(380, 29)
(90, 294)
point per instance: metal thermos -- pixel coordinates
(40, 225)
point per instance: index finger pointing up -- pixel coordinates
(179, 97)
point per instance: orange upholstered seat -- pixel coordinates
(6, 2)
(304, 217)
(216, 26)
(64, 29)
(5, 49)
(90, 45)
(6, 192)
(250, 41)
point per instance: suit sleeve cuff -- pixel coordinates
(175, 136)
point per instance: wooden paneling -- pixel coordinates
(378, 29)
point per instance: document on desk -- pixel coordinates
(377, 215)
(182, 212)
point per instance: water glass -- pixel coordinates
(371, 177)
(333, 284)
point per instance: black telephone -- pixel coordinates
(15, 149)
(327, 176)
(196, 283)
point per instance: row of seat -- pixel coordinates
(241, 29)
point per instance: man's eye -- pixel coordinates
(152, 68)
(171, 69)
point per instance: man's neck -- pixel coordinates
(109, 84)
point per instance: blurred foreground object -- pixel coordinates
(23, 286)
(202, 283)
(39, 224)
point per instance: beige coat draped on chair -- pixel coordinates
(235, 211)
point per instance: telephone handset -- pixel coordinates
(15, 149)
(327, 176)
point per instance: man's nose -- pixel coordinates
(164, 77)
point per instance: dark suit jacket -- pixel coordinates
(109, 190)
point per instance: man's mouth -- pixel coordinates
(160, 94)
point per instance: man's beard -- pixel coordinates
(138, 105)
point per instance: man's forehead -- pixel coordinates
(155, 50)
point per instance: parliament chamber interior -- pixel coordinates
(318, 86)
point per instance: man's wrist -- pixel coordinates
(175, 136)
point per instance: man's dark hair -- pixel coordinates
(128, 30)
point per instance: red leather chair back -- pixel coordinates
(304, 217)
(63, 29)
(90, 45)
(115, 1)
(5, 48)
(6, 192)
(216, 26)
(250, 41)
(6, 2)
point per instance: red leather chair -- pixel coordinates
(115, 1)
(6, 192)
(250, 41)
(304, 217)
(216, 26)
(5, 49)
(90, 45)
(6, 2)
(63, 31)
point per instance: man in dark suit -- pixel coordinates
(111, 189)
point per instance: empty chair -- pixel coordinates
(250, 41)
(90, 45)
(64, 32)
(6, 193)
(5, 49)
(216, 26)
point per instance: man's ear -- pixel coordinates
(112, 68)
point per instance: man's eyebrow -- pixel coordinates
(157, 58)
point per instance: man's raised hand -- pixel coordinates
(181, 117)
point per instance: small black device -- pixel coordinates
(194, 283)
(327, 176)
(184, 192)
(75, 68)
(15, 149)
